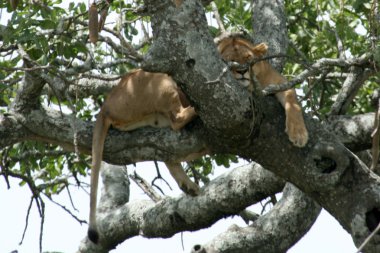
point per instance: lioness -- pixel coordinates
(239, 50)
(140, 99)
(153, 99)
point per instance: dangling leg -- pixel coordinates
(183, 181)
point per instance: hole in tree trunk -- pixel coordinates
(372, 218)
(190, 63)
(325, 164)
(198, 249)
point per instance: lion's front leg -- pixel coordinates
(295, 125)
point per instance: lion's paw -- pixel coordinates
(297, 132)
(190, 188)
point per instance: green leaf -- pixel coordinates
(82, 7)
(47, 24)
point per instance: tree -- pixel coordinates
(53, 79)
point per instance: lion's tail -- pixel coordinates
(100, 132)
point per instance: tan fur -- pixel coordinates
(242, 51)
(140, 99)
(177, 3)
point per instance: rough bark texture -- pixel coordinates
(351, 85)
(184, 48)
(226, 195)
(275, 231)
(324, 169)
(228, 123)
(269, 23)
(353, 131)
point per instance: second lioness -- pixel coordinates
(237, 49)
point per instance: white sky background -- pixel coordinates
(63, 234)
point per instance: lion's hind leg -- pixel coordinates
(184, 116)
(180, 115)
(183, 181)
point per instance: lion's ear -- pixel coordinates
(260, 49)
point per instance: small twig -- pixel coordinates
(71, 199)
(374, 232)
(322, 97)
(10, 82)
(76, 145)
(197, 174)
(217, 17)
(355, 79)
(11, 69)
(300, 53)
(314, 69)
(26, 221)
(217, 80)
(4, 166)
(268, 57)
(340, 45)
(145, 187)
(100, 77)
(42, 223)
(59, 181)
(145, 31)
(182, 242)
(114, 63)
(123, 43)
(25, 56)
(373, 24)
(159, 177)
(272, 201)
(376, 139)
(67, 210)
(248, 216)
(37, 154)
(321, 79)
(38, 205)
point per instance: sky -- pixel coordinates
(63, 234)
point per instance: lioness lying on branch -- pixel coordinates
(154, 99)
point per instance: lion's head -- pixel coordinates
(237, 49)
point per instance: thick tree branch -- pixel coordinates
(325, 170)
(30, 88)
(220, 198)
(140, 145)
(92, 85)
(271, 14)
(11, 131)
(184, 48)
(351, 86)
(149, 144)
(283, 226)
(353, 131)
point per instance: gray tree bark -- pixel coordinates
(325, 170)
